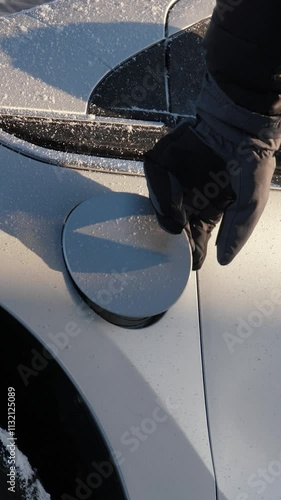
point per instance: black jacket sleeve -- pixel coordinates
(243, 52)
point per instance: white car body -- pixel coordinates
(203, 383)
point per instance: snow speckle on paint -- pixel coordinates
(26, 479)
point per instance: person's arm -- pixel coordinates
(243, 52)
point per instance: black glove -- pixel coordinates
(223, 165)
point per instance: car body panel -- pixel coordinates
(182, 14)
(55, 54)
(240, 309)
(128, 378)
(125, 376)
(73, 45)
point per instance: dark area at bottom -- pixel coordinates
(54, 428)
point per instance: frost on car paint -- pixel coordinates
(83, 39)
(11, 6)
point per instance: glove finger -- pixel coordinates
(199, 233)
(166, 195)
(190, 238)
(201, 223)
(251, 184)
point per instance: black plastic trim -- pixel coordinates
(134, 89)
(106, 138)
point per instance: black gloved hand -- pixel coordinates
(178, 172)
(223, 165)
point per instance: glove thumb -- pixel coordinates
(166, 196)
(251, 185)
